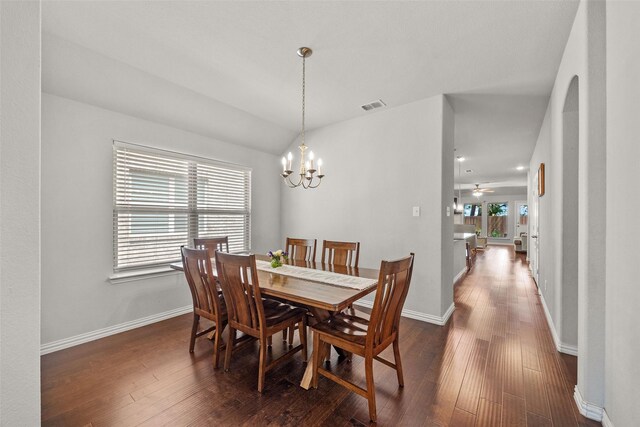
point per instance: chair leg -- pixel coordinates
(302, 330)
(263, 365)
(371, 389)
(230, 343)
(396, 356)
(284, 334)
(317, 358)
(194, 331)
(216, 346)
(291, 331)
(270, 340)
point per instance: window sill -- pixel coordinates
(131, 276)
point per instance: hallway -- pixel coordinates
(512, 364)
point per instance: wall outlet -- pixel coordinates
(448, 211)
(416, 211)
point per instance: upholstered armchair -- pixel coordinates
(520, 243)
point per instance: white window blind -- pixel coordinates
(162, 200)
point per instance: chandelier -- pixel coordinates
(309, 176)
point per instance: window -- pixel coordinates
(473, 215)
(162, 200)
(497, 214)
(524, 215)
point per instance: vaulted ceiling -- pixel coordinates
(229, 69)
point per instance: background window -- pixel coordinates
(497, 214)
(524, 214)
(473, 215)
(162, 200)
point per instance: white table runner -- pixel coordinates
(327, 277)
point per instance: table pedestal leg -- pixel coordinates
(308, 373)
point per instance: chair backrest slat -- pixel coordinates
(212, 244)
(239, 281)
(301, 249)
(393, 286)
(202, 284)
(341, 253)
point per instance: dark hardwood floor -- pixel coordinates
(493, 364)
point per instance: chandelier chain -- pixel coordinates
(303, 94)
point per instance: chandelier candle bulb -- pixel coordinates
(284, 165)
(289, 156)
(319, 167)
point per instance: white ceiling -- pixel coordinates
(495, 134)
(237, 60)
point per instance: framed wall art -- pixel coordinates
(541, 180)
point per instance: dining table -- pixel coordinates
(324, 289)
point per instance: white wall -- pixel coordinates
(459, 258)
(377, 168)
(584, 57)
(20, 213)
(77, 216)
(623, 205)
(446, 243)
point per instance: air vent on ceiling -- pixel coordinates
(469, 170)
(373, 105)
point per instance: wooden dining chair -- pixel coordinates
(368, 337)
(207, 302)
(301, 249)
(341, 253)
(250, 314)
(212, 244)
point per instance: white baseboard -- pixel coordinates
(459, 275)
(588, 409)
(111, 330)
(411, 314)
(560, 346)
(606, 421)
(571, 350)
(552, 327)
(448, 314)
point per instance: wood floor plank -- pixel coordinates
(561, 406)
(513, 411)
(462, 418)
(534, 420)
(489, 414)
(472, 383)
(513, 366)
(535, 393)
(493, 364)
(494, 372)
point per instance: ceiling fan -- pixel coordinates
(477, 192)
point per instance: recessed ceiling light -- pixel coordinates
(461, 159)
(520, 168)
(469, 170)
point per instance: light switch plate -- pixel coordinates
(448, 211)
(416, 211)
